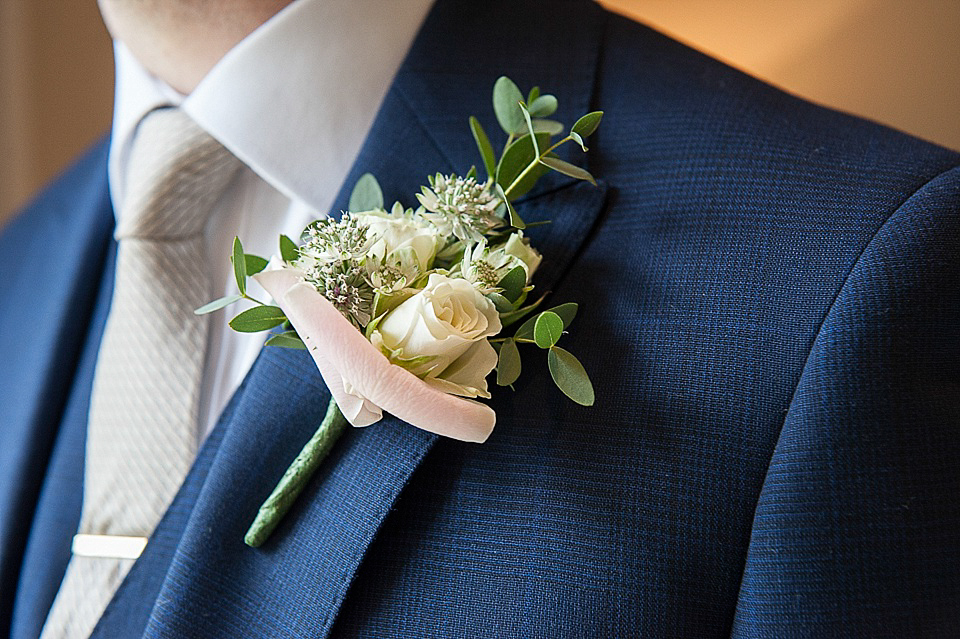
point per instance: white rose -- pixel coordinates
(448, 323)
(519, 247)
(398, 232)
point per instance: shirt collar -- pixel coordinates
(294, 100)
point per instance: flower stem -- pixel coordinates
(295, 478)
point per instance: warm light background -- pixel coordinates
(896, 61)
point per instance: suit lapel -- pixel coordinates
(57, 247)
(204, 580)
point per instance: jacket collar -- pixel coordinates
(197, 562)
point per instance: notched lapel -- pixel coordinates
(53, 258)
(571, 211)
(297, 580)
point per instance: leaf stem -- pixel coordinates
(519, 340)
(254, 300)
(297, 475)
(510, 139)
(533, 164)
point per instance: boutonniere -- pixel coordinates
(408, 310)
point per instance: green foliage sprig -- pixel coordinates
(527, 156)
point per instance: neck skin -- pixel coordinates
(179, 41)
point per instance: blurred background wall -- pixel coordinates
(896, 61)
(56, 90)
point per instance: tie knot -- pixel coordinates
(176, 172)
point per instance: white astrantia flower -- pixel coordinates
(461, 207)
(484, 267)
(394, 273)
(440, 335)
(350, 293)
(333, 259)
(328, 241)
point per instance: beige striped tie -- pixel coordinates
(142, 431)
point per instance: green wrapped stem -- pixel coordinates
(297, 476)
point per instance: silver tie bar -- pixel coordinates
(108, 546)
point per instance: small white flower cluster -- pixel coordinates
(333, 258)
(461, 207)
(485, 267)
(419, 282)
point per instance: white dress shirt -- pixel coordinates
(294, 101)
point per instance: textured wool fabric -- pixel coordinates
(142, 430)
(769, 295)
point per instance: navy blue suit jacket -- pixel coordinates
(770, 311)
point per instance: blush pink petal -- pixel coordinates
(346, 359)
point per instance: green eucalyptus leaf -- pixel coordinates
(288, 339)
(366, 194)
(566, 168)
(551, 127)
(484, 146)
(508, 319)
(525, 332)
(566, 312)
(586, 125)
(516, 158)
(514, 217)
(513, 283)
(258, 318)
(502, 304)
(239, 266)
(508, 364)
(547, 329)
(506, 105)
(288, 250)
(216, 305)
(570, 377)
(579, 140)
(530, 131)
(542, 106)
(254, 263)
(533, 95)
